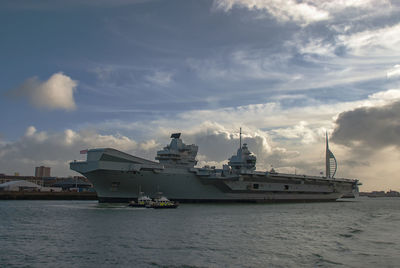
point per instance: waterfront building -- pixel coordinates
(42, 171)
(20, 185)
(47, 181)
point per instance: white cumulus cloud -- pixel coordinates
(55, 93)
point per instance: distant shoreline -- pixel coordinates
(48, 196)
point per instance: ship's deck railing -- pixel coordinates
(206, 171)
(306, 176)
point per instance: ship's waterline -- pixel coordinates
(120, 177)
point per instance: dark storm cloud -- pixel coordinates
(369, 128)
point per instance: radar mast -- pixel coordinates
(240, 138)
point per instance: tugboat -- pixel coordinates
(143, 201)
(163, 202)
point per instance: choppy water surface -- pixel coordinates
(363, 233)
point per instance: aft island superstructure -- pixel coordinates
(120, 177)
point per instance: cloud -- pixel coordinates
(260, 71)
(352, 43)
(369, 127)
(377, 42)
(384, 97)
(55, 93)
(394, 72)
(304, 13)
(272, 115)
(243, 65)
(311, 11)
(160, 78)
(302, 131)
(316, 46)
(304, 124)
(103, 73)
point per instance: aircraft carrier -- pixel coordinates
(120, 177)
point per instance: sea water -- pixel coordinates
(358, 233)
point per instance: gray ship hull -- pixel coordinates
(119, 177)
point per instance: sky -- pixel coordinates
(126, 74)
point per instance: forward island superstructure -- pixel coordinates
(120, 177)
